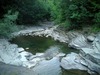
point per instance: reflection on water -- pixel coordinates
(41, 44)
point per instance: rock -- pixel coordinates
(72, 61)
(9, 53)
(33, 31)
(87, 59)
(60, 55)
(92, 61)
(48, 67)
(89, 52)
(90, 55)
(79, 42)
(72, 34)
(93, 68)
(96, 44)
(85, 51)
(25, 55)
(32, 63)
(6, 69)
(90, 38)
(27, 48)
(20, 50)
(51, 52)
(16, 62)
(39, 54)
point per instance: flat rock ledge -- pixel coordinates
(87, 59)
(47, 32)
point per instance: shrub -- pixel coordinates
(97, 18)
(31, 11)
(7, 24)
(75, 13)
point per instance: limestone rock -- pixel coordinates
(90, 38)
(79, 42)
(20, 50)
(72, 35)
(72, 61)
(88, 58)
(93, 68)
(9, 53)
(91, 55)
(96, 44)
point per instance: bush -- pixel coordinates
(7, 24)
(31, 11)
(75, 13)
(97, 18)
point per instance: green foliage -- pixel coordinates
(7, 25)
(11, 16)
(31, 11)
(97, 17)
(55, 11)
(75, 13)
(95, 28)
(70, 14)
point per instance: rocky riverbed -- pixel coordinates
(87, 58)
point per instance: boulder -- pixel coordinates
(9, 53)
(90, 38)
(88, 57)
(91, 55)
(20, 50)
(72, 61)
(93, 68)
(79, 42)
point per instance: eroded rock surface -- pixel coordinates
(11, 54)
(87, 59)
(72, 61)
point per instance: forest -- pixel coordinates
(69, 14)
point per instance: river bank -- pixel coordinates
(87, 59)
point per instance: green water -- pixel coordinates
(74, 72)
(41, 44)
